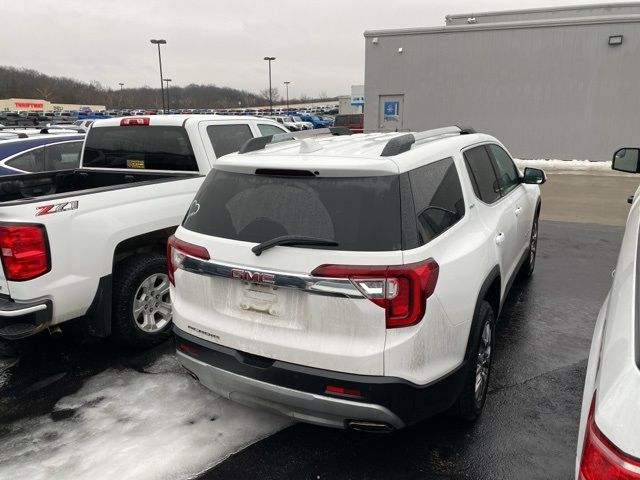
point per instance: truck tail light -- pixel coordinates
(24, 251)
(601, 459)
(402, 290)
(131, 121)
(177, 250)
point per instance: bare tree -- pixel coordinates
(275, 94)
(45, 92)
(15, 82)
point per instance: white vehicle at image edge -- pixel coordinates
(609, 436)
(353, 281)
(90, 242)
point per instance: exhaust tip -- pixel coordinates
(369, 427)
(191, 374)
(55, 331)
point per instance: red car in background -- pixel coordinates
(353, 121)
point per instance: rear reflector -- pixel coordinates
(131, 121)
(602, 459)
(402, 290)
(187, 348)
(24, 251)
(353, 392)
(177, 250)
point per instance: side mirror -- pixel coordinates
(626, 160)
(534, 176)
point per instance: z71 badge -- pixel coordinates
(56, 208)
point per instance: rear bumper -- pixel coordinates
(22, 319)
(300, 392)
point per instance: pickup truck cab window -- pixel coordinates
(228, 138)
(508, 177)
(482, 173)
(140, 148)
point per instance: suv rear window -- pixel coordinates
(360, 214)
(136, 147)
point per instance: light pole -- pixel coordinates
(168, 103)
(121, 85)
(270, 59)
(287, 85)
(160, 42)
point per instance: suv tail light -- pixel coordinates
(601, 459)
(177, 250)
(24, 251)
(401, 290)
(131, 121)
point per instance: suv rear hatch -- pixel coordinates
(280, 304)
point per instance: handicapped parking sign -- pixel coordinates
(391, 108)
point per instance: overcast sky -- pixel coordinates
(319, 45)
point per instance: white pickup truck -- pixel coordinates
(89, 243)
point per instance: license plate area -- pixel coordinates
(260, 298)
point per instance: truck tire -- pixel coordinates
(141, 305)
(469, 404)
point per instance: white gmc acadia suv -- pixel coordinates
(608, 442)
(353, 281)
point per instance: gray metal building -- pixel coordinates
(550, 83)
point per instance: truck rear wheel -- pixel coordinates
(142, 310)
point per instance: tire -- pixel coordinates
(141, 283)
(471, 401)
(526, 270)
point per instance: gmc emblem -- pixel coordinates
(255, 277)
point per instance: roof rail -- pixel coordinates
(41, 129)
(17, 134)
(259, 143)
(403, 143)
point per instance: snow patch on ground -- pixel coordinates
(564, 164)
(124, 424)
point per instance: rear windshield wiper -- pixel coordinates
(291, 240)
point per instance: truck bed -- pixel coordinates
(50, 185)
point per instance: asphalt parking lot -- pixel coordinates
(528, 429)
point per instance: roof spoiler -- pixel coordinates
(403, 143)
(260, 143)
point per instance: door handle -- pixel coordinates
(500, 238)
(518, 210)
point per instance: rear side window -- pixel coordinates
(355, 119)
(31, 161)
(482, 173)
(228, 138)
(139, 147)
(266, 129)
(361, 214)
(62, 156)
(508, 177)
(437, 197)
